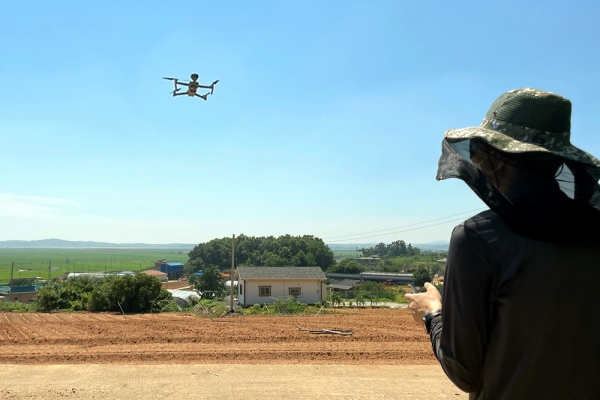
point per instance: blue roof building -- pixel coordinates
(174, 270)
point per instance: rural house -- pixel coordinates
(265, 285)
(162, 276)
(22, 290)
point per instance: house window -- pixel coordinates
(241, 290)
(264, 291)
(295, 291)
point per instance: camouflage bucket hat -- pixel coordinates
(528, 120)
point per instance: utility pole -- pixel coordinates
(231, 274)
(12, 269)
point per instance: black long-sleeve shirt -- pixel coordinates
(520, 317)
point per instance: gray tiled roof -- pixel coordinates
(281, 272)
(345, 284)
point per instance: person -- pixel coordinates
(520, 312)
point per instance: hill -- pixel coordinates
(68, 244)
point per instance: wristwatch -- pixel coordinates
(428, 317)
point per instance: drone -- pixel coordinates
(192, 87)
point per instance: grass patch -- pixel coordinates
(15, 306)
(32, 263)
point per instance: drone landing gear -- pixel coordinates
(212, 87)
(203, 96)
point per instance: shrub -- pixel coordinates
(336, 299)
(170, 306)
(53, 296)
(288, 306)
(7, 306)
(134, 293)
(420, 276)
(360, 300)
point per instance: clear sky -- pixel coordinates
(327, 119)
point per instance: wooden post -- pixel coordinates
(231, 274)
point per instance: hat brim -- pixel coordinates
(508, 144)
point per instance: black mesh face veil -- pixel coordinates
(563, 207)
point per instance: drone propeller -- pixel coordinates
(170, 79)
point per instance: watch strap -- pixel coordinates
(429, 317)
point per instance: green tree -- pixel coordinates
(262, 251)
(286, 254)
(210, 281)
(347, 266)
(52, 296)
(396, 248)
(137, 293)
(193, 265)
(380, 249)
(371, 286)
(300, 259)
(420, 276)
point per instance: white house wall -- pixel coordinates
(311, 290)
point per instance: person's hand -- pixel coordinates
(422, 303)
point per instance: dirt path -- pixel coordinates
(387, 337)
(226, 381)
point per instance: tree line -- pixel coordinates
(394, 249)
(263, 251)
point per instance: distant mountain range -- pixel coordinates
(68, 244)
(440, 245)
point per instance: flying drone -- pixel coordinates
(192, 87)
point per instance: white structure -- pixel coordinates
(265, 285)
(92, 275)
(183, 297)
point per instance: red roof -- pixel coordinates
(154, 272)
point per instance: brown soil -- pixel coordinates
(379, 337)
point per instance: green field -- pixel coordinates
(31, 263)
(342, 254)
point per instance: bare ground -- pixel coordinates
(379, 337)
(163, 356)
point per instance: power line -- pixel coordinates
(393, 233)
(404, 226)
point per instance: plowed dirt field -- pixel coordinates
(383, 336)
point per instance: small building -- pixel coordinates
(371, 261)
(265, 285)
(174, 270)
(22, 290)
(346, 284)
(158, 274)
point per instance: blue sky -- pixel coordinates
(327, 119)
